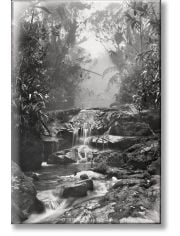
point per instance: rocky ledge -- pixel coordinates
(23, 195)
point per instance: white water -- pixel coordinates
(81, 133)
(56, 206)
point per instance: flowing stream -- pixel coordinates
(52, 176)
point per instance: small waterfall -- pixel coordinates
(81, 133)
(75, 136)
(81, 136)
(85, 133)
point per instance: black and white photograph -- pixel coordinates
(86, 112)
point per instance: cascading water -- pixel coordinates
(56, 206)
(50, 176)
(81, 134)
(75, 136)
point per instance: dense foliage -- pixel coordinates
(46, 71)
(130, 32)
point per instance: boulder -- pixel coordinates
(101, 168)
(113, 141)
(17, 216)
(145, 155)
(84, 176)
(75, 190)
(89, 184)
(127, 128)
(110, 157)
(66, 133)
(121, 143)
(23, 195)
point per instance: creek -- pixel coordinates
(53, 176)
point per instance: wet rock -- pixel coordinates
(62, 157)
(35, 177)
(89, 184)
(17, 216)
(126, 128)
(101, 168)
(84, 176)
(66, 133)
(129, 204)
(126, 182)
(75, 190)
(122, 143)
(114, 142)
(142, 155)
(23, 194)
(89, 212)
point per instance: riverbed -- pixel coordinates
(51, 177)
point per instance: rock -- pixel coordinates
(121, 143)
(101, 168)
(17, 216)
(153, 118)
(84, 176)
(23, 194)
(155, 167)
(127, 182)
(142, 155)
(35, 177)
(66, 133)
(75, 190)
(62, 157)
(114, 142)
(126, 128)
(89, 184)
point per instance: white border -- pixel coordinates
(171, 137)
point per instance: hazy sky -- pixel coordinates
(100, 96)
